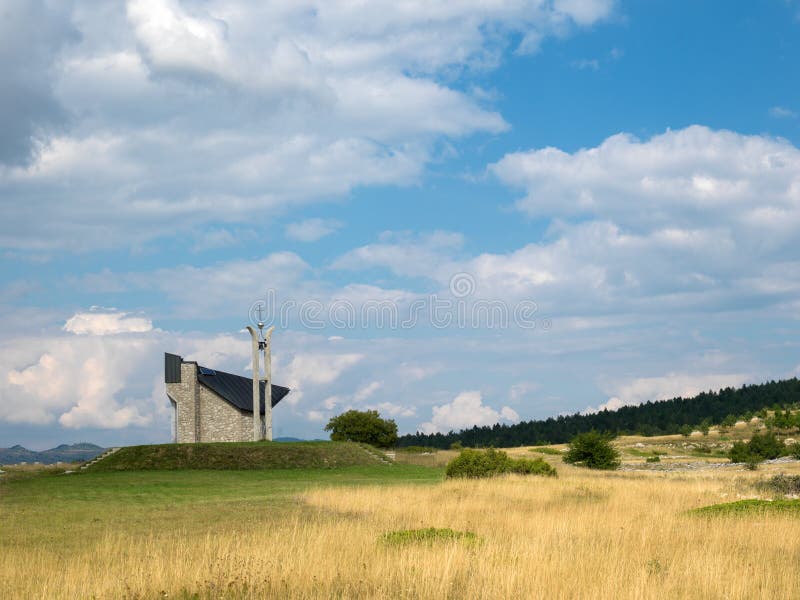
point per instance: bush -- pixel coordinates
(592, 450)
(490, 463)
(781, 484)
(761, 447)
(526, 466)
(365, 427)
(457, 445)
(766, 446)
(739, 453)
(653, 459)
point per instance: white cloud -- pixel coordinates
(312, 370)
(519, 391)
(414, 255)
(465, 411)
(34, 34)
(416, 372)
(320, 368)
(673, 385)
(591, 64)
(316, 416)
(106, 323)
(177, 108)
(311, 230)
(676, 179)
(331, 402)
(367, 390)
(780, 112)
(203, 292)
(393, 410)
(80, 381)
(174, 41)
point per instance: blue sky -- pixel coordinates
(629, 169)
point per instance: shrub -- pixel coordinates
(457, 445)
(781, 484)
(526, 466)
(653, 459)
(592, 450)
(766, 446)
(739, 453)
(365, 427)
(761, 447)
(489, 463)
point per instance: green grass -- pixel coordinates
(546, 450)
(643, 453)
(428, 536)
(750, 507)
(418, 450)
(238, 456)
(71, 511)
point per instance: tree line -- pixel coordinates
(662, 417)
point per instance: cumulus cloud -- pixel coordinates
(688, 220)
(32, 34)
(673, 385)
(180, 108)
(80, 381)
(306, 370)
(311, 230)
(172, 40)
(465, 411)
(106, 323)
(674, 180)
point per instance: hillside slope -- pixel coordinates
(239, 456)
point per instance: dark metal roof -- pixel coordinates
(238, 390)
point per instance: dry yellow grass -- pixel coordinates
(583, 535)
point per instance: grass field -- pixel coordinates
(320, 533)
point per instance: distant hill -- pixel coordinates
(63, 453)
(659, 417)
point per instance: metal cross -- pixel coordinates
(260, 311)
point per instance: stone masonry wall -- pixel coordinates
(184, 396)
(202, 416)
(221, 422)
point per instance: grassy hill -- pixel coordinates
(240, 456)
